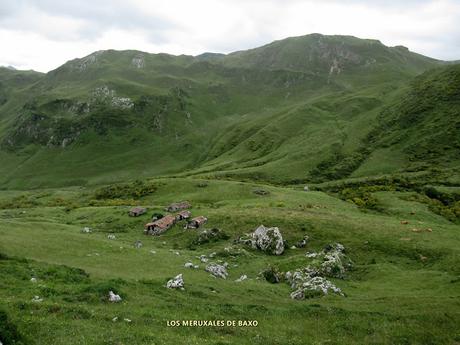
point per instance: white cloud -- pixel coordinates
(43, 34)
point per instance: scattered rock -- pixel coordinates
(177, 253)
(114, 297)
(243, 277)
(217, 270)
(115, 319)
(267, 239)
(307, 283)
(311, 255)
(153, 251)
(37, 299)
(260, 191)
(176, 283)
(303, 242)
(111, 237)
(203, 258)
(127, 320)
(191, 265)
(335, 262)
(86, 230)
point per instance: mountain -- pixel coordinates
(309, 108)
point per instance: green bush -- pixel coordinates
(135, 189)
(9, 334)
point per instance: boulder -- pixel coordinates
(114, 297)
(86, 230)
(111, 236)
(176, 283)
(303, 242)
(268, 240)
(217, 270)
(137, 244)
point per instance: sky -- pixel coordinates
(44, 34)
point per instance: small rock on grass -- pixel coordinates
(114, 297)
(176, 283)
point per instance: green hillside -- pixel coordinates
(303, 102)
(350, 148)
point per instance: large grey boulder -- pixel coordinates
(268, 240)
(219, 271)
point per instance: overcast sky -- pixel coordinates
(44, 34)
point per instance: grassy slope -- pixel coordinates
(252, 113)
(392, 295)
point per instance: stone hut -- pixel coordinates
(159, 226)
(185, 214)
(196, 222)
(137, 211)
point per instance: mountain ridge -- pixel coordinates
(303, 101)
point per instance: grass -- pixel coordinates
(392, 295)
(238, 136)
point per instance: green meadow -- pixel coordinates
(403, 287)
(373, 131)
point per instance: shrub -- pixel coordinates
(9, 333)
(135, 189)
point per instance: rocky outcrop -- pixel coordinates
(217, 270)
(138, 61)
(311, 281)
(266, 239)
(307, 283)
(335, 262)
(176, 283)
(103, 94)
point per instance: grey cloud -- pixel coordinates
(97, 16)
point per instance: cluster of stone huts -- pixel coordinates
(160, 224)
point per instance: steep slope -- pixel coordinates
(124, 114)
(422, 127)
